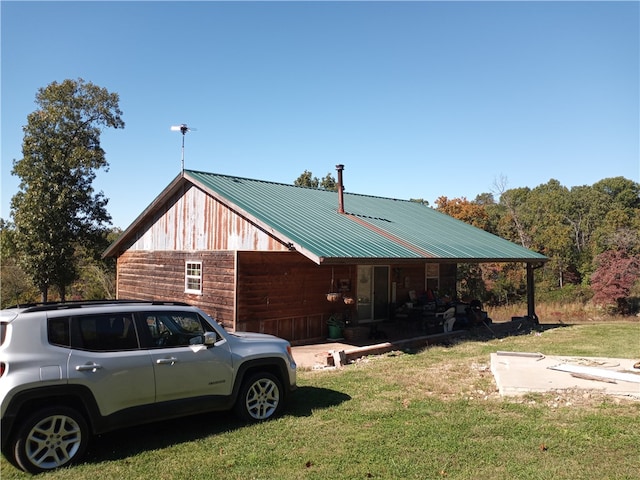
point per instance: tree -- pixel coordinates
(15, 287)
(513, 227)
(623, 192)
(462, 209)
(616, 273)
(96, 275)
(329, 183)
(56, 209)
(306, 179)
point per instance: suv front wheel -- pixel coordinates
(260, 397)
(50, 438)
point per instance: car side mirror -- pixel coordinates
(210, 338)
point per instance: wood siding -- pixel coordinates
(161, 275)
(195, 221)
(281, 293)
(285, 294)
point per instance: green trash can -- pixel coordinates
(335, 331)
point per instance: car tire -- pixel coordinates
(261, 398)
(50, 438)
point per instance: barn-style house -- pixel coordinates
(276, 258)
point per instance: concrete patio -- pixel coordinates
(390, 337)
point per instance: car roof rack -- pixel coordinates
(47, 306)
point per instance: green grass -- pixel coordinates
(432, 414)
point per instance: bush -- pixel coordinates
(570, 293)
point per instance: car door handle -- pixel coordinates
(165, 361)
(88, 367)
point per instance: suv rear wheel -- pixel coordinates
(260, 397)
(50, 438)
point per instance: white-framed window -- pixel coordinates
(432, 277)
(193, 277)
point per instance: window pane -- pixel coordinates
(175, 329)
(107, 332)
(193, 277)
(58, 331)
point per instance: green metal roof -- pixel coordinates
(372, 228)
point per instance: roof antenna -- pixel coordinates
(183, 129)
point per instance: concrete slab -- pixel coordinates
(396, 338)
(317, 355)
(517, 373)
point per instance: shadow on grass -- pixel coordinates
(307, 399)
(132, 441)
(508, 329)
(480, 333)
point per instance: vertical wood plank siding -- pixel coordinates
(194, 221)
(160, 276)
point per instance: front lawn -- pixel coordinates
(432, 414)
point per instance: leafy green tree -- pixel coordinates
(306, 179)
(623, 214)
(56, 209)
(16, 286)
(484, 199)
(96, 275)
(513, 225)
(8, 247)
(623, 192)
(545, 215)
(329, 183)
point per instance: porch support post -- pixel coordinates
(531, 303)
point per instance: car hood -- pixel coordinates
(254, 335)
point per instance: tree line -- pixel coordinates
(60, 226)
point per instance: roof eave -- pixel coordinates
(413, 260)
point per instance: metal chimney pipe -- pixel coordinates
(340, 168)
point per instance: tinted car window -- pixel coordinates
(175, 329)
(3, 332)
(106, 332)
(58, 331)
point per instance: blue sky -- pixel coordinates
(416, 99)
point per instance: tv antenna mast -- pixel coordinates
(183, 129)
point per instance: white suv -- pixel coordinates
(72, 370)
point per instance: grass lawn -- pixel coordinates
(432, 414)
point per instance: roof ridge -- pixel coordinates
(257, 180)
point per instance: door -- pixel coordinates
(188, 372)
(373, 293)
(380, 293)
(107, 358)
(184, 368)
